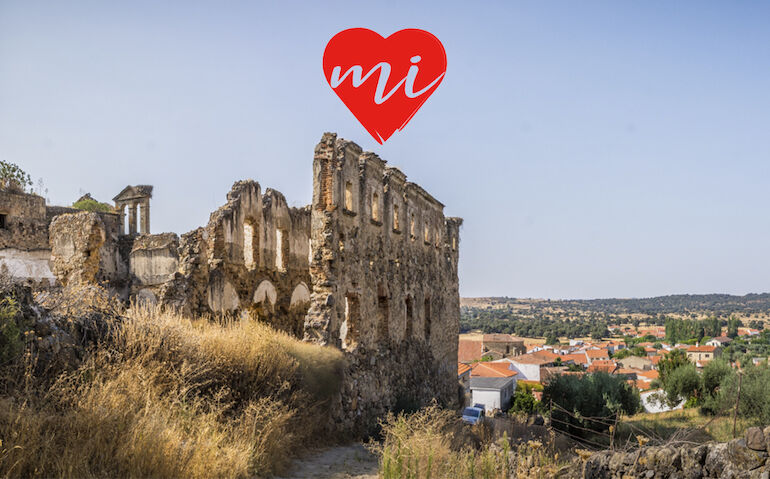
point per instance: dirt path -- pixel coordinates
(342, 462)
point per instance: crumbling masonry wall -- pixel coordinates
(384, 282)
(24, 250)
(370, 267)
(252, 255)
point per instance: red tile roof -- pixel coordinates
(597, 353)
(469, 350)
(601, 365)
(651, 374)
(577, 358)
(462, 368)
(701, 349)
(531, 358)
(491, 370)
(545, 354)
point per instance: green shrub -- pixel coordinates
(11, 176)
(11, 342)
(577, 399)
(683, 383)
(89, 204)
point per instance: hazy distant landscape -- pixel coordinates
(575, 317)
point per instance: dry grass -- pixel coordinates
(683, 424)
(172, 397)
(431, 443)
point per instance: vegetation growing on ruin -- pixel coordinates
(161, 395)
(12, 176)
(90, 204)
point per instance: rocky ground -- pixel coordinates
(342, 462)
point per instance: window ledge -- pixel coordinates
(348, 212)
(376, 222)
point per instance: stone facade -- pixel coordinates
(84, 249)
(384, 281)
(370, 267)
(24, 251)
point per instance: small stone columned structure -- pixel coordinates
(134, 197)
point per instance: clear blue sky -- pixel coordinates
(594, 149)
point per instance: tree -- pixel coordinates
(11, 176)
(598, 395)
(523, 400)
(754, 404)
(671, 361)
(551, 339)
(599, 332)
(683, 383)
(713, 374)
(732, 328)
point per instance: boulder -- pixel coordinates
(755, 439)
(744, 458)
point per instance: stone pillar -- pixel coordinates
(145, 219)
(132, 219)
(122, 212)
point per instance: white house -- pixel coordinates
(528, 366)
(493, 393)
(719, 341)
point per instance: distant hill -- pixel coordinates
(538, 317)
(717, 304)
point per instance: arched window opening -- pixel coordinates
(396, 225)
(351, 323)
(409, 317)
(383, 311)
(411, 227)
(250, 244)
(281, 249)
(349, 196)
(375, 207)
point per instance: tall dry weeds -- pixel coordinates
(167, 396)
(431, 443)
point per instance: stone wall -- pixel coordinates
(252, 255)
(384, 282)
(24, 251)
(745, 457)
(370, 267)
(85, 249)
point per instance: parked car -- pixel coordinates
(473, 415)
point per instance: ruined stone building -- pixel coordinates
(369, 267)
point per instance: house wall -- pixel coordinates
(528, 372)
(491, 399)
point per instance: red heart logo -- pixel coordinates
(384, 81)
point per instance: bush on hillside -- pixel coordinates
(589, 402)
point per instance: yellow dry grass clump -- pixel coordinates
(167, 396)
(431, 443)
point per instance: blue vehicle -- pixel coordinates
(473, 415)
